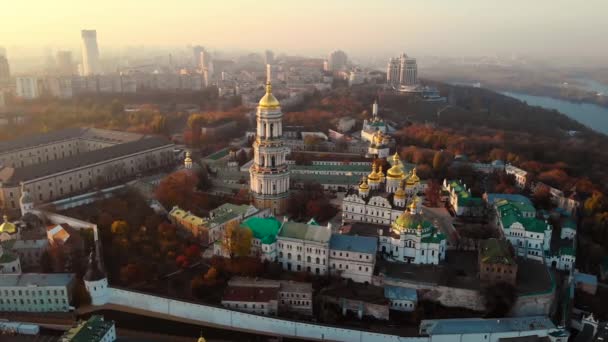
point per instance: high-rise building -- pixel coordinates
(205, 59)
(5, 71)
(269, 174)
(402, 72)
(269, 57)
(90, 53)
(337, 61)
(2, 51)
(65, 64)
(27, 87)
(196, 55)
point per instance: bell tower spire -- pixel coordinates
(269, 173)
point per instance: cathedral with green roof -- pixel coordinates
(413, 239)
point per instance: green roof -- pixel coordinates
(227, 212)
(218, 154)
(264, 229)
(91, 330)
(511, 212)
(303, 231)
(7, 257)
(340, 167)
(434, 238)
(495, 251)
(569, 223)
(464, 197)
(567, 251)
(533, 224)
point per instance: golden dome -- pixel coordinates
(396, 159)
(201, 339)
(400, 193)
(413, 179)
(395, 172)
(374, 177)
(188, 157)
(364, 185)
(7, 227)
(378, 138)
(268, 100)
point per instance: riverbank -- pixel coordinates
(591, 115)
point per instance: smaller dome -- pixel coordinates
(396, 159)
(364, 185)
(201, 339)
(413, 179)
(374, 177)
(400, 193)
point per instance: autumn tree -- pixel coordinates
(119, 227)
(178, 189)
(237, 240)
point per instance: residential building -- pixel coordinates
(27, 87)
(36, 292)
(530, 237)
(401, 298)
(228, 212)
(294, 297)
(5, 71)
(402, 73)
(496, 262)
(491, 329)
(521, 176)
(95, 329)
(462, 201)
(269, 173)
(336, 61)
(71, 161)
(90, 53)
(353, 257)
(252, 299)
(304, 247)
(413, 239)
(190, 224)
(65, 64)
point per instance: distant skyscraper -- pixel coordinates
(27, 87)
(90, 53)
(205, 59)
(269, 57)
(196, 55)
(65, 65)
(2, 51)
(5, 71)
(337, 61)
(402, 71)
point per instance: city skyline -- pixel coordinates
(468, 27)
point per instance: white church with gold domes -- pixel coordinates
(269, 173)
(381, 197)
(413, 239)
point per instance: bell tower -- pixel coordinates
(269, 173)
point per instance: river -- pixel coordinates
(590, 115)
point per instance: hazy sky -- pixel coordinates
(421, 27)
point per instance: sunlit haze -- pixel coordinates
(366, 28)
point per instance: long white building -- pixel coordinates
(36, 292)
